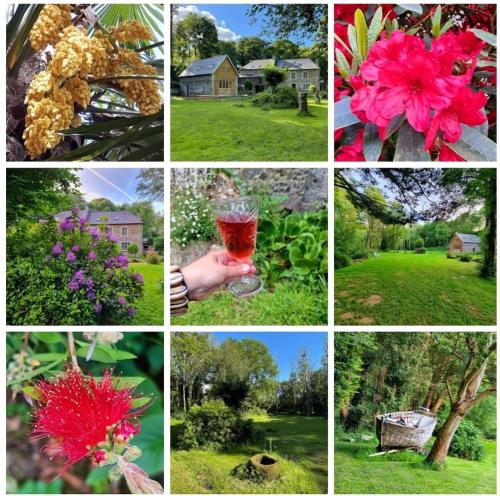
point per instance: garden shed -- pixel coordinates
(215, 76)
(465, 243)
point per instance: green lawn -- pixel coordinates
(404, 472)
(234, 130)
(150, 308)
(410, 289)
(284, 306)
(301, 445)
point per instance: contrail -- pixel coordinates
(113, 185)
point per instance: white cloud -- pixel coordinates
(225, 34)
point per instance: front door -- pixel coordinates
(225, 87)
(294, 86)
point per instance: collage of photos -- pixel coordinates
(328, 326)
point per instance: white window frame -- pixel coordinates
(305, 86)
(109, 229)
(305, 76)
(124, 231)
(292, 75)
(126, 243)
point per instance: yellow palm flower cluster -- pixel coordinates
(51, 21)
(53, 93)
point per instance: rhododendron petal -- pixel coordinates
(417, 113)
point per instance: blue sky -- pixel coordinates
(284, 346)
(231, 20)
(118, 185)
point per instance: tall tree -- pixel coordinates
(228, 48)
(151, 184)
(252, 48)
(195, 37)
(285, 49)
(102, 205)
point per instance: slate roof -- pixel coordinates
(204, 66)
(297, 64)
(94, 218)
(468, 238)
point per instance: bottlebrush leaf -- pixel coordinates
(138, 402)
(489, 38)
(48, 357)
(32, 392)
(372, 144)
(343, 116)
(474, 146)
(99, 354)
(436, 22)
(361, 33)
(410, 145)
(125, 382)
(411, 7)
(37, 371)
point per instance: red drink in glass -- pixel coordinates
(238, 233)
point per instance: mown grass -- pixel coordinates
(301, 444)
(286, 305)
(405, 472)
(150, 308)
(234, 130)
(426, 289)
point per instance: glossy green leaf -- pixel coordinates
(410, 145)
(98, 355)
(342, 64)
(474, 146)
(48, 337)
(394, 124)
(32, 392)
(361, 33)
(376, 26)
(343, 116)
(138, 402)
(447, 25)
(436, 22)
(48, 357)
(351, 36)
(150, 441)
(372, 144)
(122, 382)
(489, 38)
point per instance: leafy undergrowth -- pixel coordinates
(405, 472)
(284, 306)
(150, 307)
(235, 130)
(410, 289)
(301, 444)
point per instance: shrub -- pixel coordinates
(153, 258)
(419, 250)
(213, 425)
(419, 243)
(159, 244)
(79, 279)
(191, 217)
(450, 255)
(312, 89)
(466, 442)
(341, 260)
(284, 96)
(133, 249)
(464, 257)
(360, 254)
(248, 86)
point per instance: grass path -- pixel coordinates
(235, 130)
(150, 308)
(410, 289)
(404, 473)
(301, 445)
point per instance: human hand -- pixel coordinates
(212, 271)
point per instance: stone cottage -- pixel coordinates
(465, 243)
(216, 76)
(301, 73)
(126, 226)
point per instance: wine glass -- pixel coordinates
(236, 221)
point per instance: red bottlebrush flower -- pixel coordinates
(75, 413)
(353, 152)
(465, 108)
(99, 456)
(124, 431)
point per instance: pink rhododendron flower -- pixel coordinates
(446, 154)
(352, 153)
(465, 108)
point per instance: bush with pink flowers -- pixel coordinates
(415, 83)
(80, 279)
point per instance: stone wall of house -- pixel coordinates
(196, 85)
(306, 189)
(134, 235)
(302, 83)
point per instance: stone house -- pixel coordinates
(465, 243)
(216, 76)
(126, 226)
(301, 73)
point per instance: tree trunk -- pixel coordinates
(489, 266)
(184, 397)
(440, 448)
(438, 402)
(303, 109)
(317, 97)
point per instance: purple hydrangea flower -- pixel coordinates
(67, 224)
(131, 311)
(139, 278)
(97, 308)
(121, 300)
(73, 286)
(113, 237)
(90, 295)
(91, 255)
(75, 248)
(70, 257)
(94, 232)
(57, 249)
(83, 227)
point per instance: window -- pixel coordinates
(224, 84)
(109, 230)
(292, 75)
(305, 86)
(124, 246)
(124, 231)
(305, 76)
